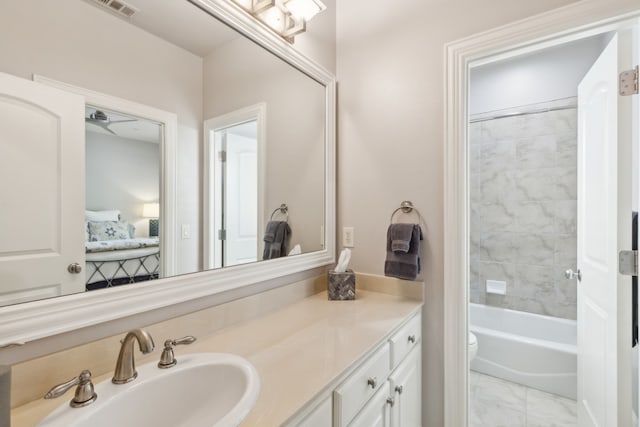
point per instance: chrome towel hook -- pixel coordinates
(283, 209)
(407, 207)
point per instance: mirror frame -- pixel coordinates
(26, 322)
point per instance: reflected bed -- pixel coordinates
(119, 262)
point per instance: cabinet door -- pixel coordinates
(42, 192)
(376, 412)
(406, 389)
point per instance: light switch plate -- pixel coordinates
(348, 238)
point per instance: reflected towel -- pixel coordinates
(270, 231)
(400, 264)
(276, 238)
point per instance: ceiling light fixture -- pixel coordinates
(287, 18)
(304, 9)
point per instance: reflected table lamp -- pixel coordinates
(152, 211)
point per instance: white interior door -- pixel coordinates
(235, 186)
(42, 190)
(604, 228)
(241, 207)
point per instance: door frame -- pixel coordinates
(565, 24)
(168, 161)
(257, 112)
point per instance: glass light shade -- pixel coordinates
(304, 9)
(151, 210)
(275, 18)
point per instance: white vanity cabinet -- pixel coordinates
(385, 390)
(405, 388)
(405, 381)
(377, 411)
(361, 386)
(320, 416)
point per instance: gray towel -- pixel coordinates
(276, 238)
(270, 231)
(400, 264)
(400, 235)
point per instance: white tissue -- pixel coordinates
(297, 250)
(343, 261)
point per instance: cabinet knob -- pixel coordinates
(74, 268)
(399, 389)
(412, 339)
(391, 401)
(373, 382)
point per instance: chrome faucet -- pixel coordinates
(126, 366)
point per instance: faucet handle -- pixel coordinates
(85, 392)
(167, 359)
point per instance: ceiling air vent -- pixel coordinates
(118, 6)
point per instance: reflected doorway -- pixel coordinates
(233, 186)
(122, 210)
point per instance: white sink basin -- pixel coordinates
(203, 389)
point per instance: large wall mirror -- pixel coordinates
(179, 139)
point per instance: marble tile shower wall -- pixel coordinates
(523, 190)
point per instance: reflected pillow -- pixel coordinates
(87, 236)
(132, 230)
(102, 215)
(108, 230)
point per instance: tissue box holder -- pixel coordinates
(342, 286)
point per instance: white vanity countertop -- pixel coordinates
(298, 351)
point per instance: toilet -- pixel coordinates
(473, 346)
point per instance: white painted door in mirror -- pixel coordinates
(41, 134)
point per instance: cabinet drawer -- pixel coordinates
(403, 341)
(352, 394)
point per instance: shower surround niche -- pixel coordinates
(523, 193)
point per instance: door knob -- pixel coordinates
(74, 268)
(570, 274)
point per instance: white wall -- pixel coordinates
(319, 41)
(240, 74)
(77, 43)
(122, 174)
(547, 75)
(390, 75)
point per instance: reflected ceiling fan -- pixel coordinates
(102, 120)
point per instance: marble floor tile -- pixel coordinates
(495, 416)
(546, 409)
(498, 403)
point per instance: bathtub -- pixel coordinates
(530, 349)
